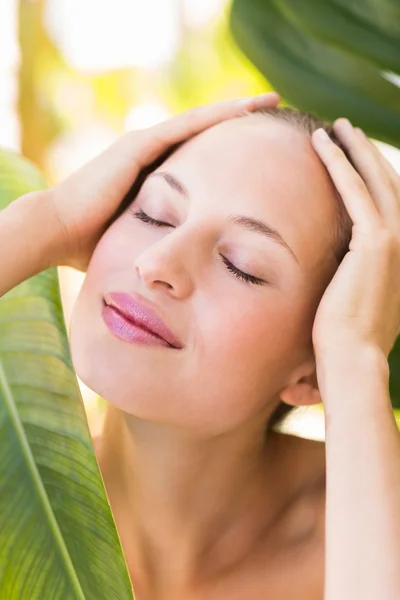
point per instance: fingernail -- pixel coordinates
(322, 135)
(267, 98)
(260, 98)
(344, 124)
(245, 101)
(361, 133)
(268, 95)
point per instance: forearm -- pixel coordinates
(363, 479)
(28, 239)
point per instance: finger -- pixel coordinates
(347, 181)
(390, 170)
(266, 100)
(184, 126)
(118, 166)
(371, 169)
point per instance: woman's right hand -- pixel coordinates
(86, 201)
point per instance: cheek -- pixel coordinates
(247, 348)
(256, 340)
(111, 252)
(113, 259)
(107, 259)
(263, 326)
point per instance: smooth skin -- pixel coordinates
(193, 505)
(356, 326)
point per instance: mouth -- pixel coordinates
(136, 321)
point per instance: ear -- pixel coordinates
(303, 391)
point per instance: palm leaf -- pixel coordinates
(57, 534)
(331, 57)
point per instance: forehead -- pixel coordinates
(261, 167)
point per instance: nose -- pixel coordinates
(165, 266)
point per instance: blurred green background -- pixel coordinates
(75, 74)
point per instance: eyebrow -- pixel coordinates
(248, 223)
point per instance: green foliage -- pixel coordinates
(394, 384)
(331, 57)
(57, 535)
(225, 72)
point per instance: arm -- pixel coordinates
(29, 231)
(363, 479)
(355, 328)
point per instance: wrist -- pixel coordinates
(353, 377)
(351, 357)
(37, 210)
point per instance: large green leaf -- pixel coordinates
(57, 534)
(332, 57)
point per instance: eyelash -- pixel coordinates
(142, 216)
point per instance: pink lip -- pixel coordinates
(134, 321)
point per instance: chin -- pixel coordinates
(99, 372)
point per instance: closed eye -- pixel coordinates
(146, 219)
(241, 275)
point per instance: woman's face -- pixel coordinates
(242, 341)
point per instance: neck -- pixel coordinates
(185, 505)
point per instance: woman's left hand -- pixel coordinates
(362, 302)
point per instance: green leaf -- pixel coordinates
(57, 534)
(331, 57)
(394, 383)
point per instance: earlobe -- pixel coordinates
(304, 392)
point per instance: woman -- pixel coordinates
(229, 253)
